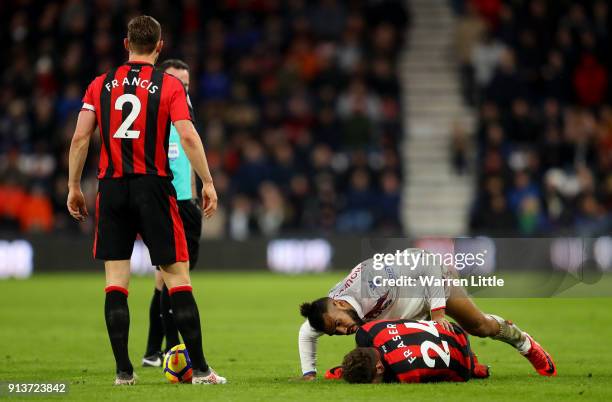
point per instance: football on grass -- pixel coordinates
(177, 365)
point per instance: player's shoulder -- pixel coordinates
(363, 338)
(171, 80)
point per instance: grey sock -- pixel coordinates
(508, 332)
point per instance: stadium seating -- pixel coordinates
(297, 102)
(539, 75)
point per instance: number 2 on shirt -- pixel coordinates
(443, 352)
(122, 131)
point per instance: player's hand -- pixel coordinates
(209, 198)
(445, 323)
(439, 316)
(76, 205)
(306, 377)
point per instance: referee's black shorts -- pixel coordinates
(191, 215)
(139, 204)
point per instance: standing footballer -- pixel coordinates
(161, 320)
(134, 106)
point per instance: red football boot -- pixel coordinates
(334, 373)
(540, 359)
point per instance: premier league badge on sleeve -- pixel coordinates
(173, 151)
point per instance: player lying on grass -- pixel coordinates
(161, 319)
(410, 351)
(349, 305)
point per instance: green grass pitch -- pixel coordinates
(52, 329)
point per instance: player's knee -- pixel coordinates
(176, 274)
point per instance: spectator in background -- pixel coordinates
(592, 218)
(485, 58)
(241, 222)
(469, 30)
(286, 93)
(358, 213)
(531, 220)
(506, 84)
(253, 170)
(389, 203)
(214, 83)
(544, 126)
(523, 188)
(555, 77)
(495, 217)
(520, 124)
(590, 81)
(459, 149)
(13, 200)
(327, 19)
(359, 111)
(489, 10)
(36, 213)
(271, 214)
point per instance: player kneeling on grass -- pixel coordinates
(410, 352)
(350, 305)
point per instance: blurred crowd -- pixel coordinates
(297, 103)
(538, 73)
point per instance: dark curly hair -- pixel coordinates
(359, 366)
(314, 312)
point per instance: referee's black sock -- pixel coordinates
(156, 328)
(170, 330)
(187, 319)
(117, 317)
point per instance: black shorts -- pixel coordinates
(139, 204)
(192, 222)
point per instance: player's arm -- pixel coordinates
(194, 149)
(307, 344)
(193, 182)
(192, 143)
(86, 124)
(436, 296)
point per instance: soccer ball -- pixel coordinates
(177, 365)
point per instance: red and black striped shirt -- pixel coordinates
(418, 351)
(134, 105)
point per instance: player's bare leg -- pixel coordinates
(117, 317)
(460, 307)
(187, 319)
